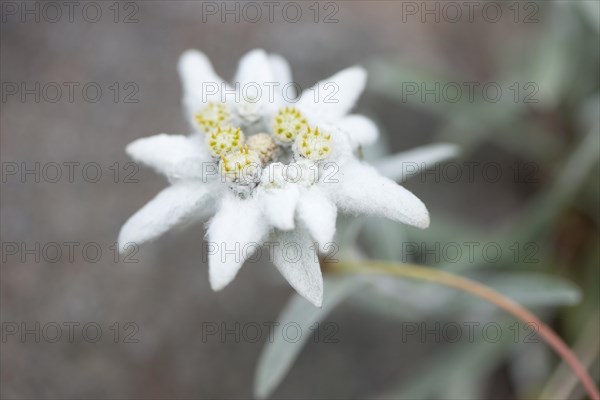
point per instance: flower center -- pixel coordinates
(288, 123)
(264, 145)
(313, 144)
(223, 140)
(242, 160)
(212, 116)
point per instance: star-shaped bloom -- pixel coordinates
(276, 176)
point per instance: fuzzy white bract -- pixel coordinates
(266, 168)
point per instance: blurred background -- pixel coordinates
(91, 324)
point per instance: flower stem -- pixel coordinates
(479, 290)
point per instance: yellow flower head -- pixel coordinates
(313, 144)
(213, 116)
(223, 140)
(288, 123)
(241, 166)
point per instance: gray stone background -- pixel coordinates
(167, 294)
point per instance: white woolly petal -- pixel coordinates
(200, 82)
(333, 97)
(361, 189)
(360, 130)
(318, 214)
(283, 76)
(234, 234)
(175, 156)
(295, 257)
(171, 207)
(279, 206)
(402, 166)
(255, 69)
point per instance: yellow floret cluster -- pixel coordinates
(242, 165)
(313, 144)
(223, 140)
(288, 123)
(240, 157)
(213, 116)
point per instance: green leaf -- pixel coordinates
(590, 10)
(398, 298)
(535, 289)
(279, 355)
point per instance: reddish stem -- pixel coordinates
(484, 292)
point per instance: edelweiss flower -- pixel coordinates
(279, 174)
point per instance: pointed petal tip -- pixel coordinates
(221, 274)
(189, 56)
(311, 294)
(448, 150)
(129, 238)
(218, 281)
(254, 54)
(130, 149)
(424, 222)
(135, 148)
(256, 51)
(126, 236)
(420, 215)
(122, 243)
(215, 285)
(313, 298)
(359, 72)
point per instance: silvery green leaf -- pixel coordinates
(398, 299)
(552, 66)
(406, 298)
(279, 355)
(590, 10)
(535, 289)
